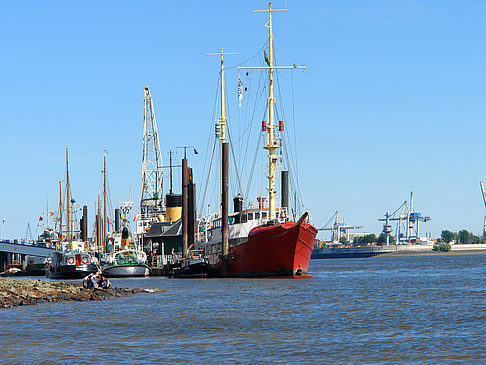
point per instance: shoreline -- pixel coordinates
(16, 292)
(405, 253)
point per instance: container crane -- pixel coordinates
(339, 228)
(408, 222)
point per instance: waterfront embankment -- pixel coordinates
(427, 250)
(20, 292)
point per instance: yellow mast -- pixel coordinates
(60, 215)
(222, 118)
(221, 124)
(104, 203)
(223, 158)
(98, 231)
(272, 144)
(68, 197)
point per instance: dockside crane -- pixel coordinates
(152, 201)
(339, 228)
(407, 222)
(484, 200)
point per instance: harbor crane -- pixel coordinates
(152, 201)
(339, 228)
(484, 199)
(407, 222)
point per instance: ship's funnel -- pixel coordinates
(117, 219)
(173, 203)
(238, 203)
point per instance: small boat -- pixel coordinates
(124, 258)
(193, 266)
(73, 262)
(13, 270)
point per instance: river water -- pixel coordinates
(426, 309)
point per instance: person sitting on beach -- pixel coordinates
(104, 282)
(92, 280)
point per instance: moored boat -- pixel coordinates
(72, 262)
(195, 265)
(72, 258)
(124, 259)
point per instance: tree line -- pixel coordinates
(369, 238)
(461, 237)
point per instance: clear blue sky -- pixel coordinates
(393, 99)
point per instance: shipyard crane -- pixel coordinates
(407, 222)
(339, 228)
(484, 200)
(151, 201)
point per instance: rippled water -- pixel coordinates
(381, 310)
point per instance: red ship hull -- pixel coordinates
(277, 250)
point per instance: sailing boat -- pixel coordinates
(257, 242)
(71, 260)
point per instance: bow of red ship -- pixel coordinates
(275, 250)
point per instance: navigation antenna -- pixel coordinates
(151, 201)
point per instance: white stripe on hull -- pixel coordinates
(126, 271)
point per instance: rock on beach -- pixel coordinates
(19, 292)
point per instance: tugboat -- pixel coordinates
(193, 266)
(72, 262)
(124, 258)
(257, 242)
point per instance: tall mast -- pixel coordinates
(221, 135)
(47, 212)
(272, 143)
(98, 215)
(68, 197)
(221, 123)
(224, 172)
(60, 213)
(104, 202)
(170, 171)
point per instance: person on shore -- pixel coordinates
(92, 280)
(104, 282)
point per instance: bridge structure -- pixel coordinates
(13, 246)
(13, 251)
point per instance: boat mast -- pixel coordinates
(98, 216)
(104, 202)
(221, 135)
(224, 173)
(60, 214)
(272, 142)
(68, 197)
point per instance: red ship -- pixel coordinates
(257, 242)
(283, 249)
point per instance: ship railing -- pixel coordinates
(163, 260)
